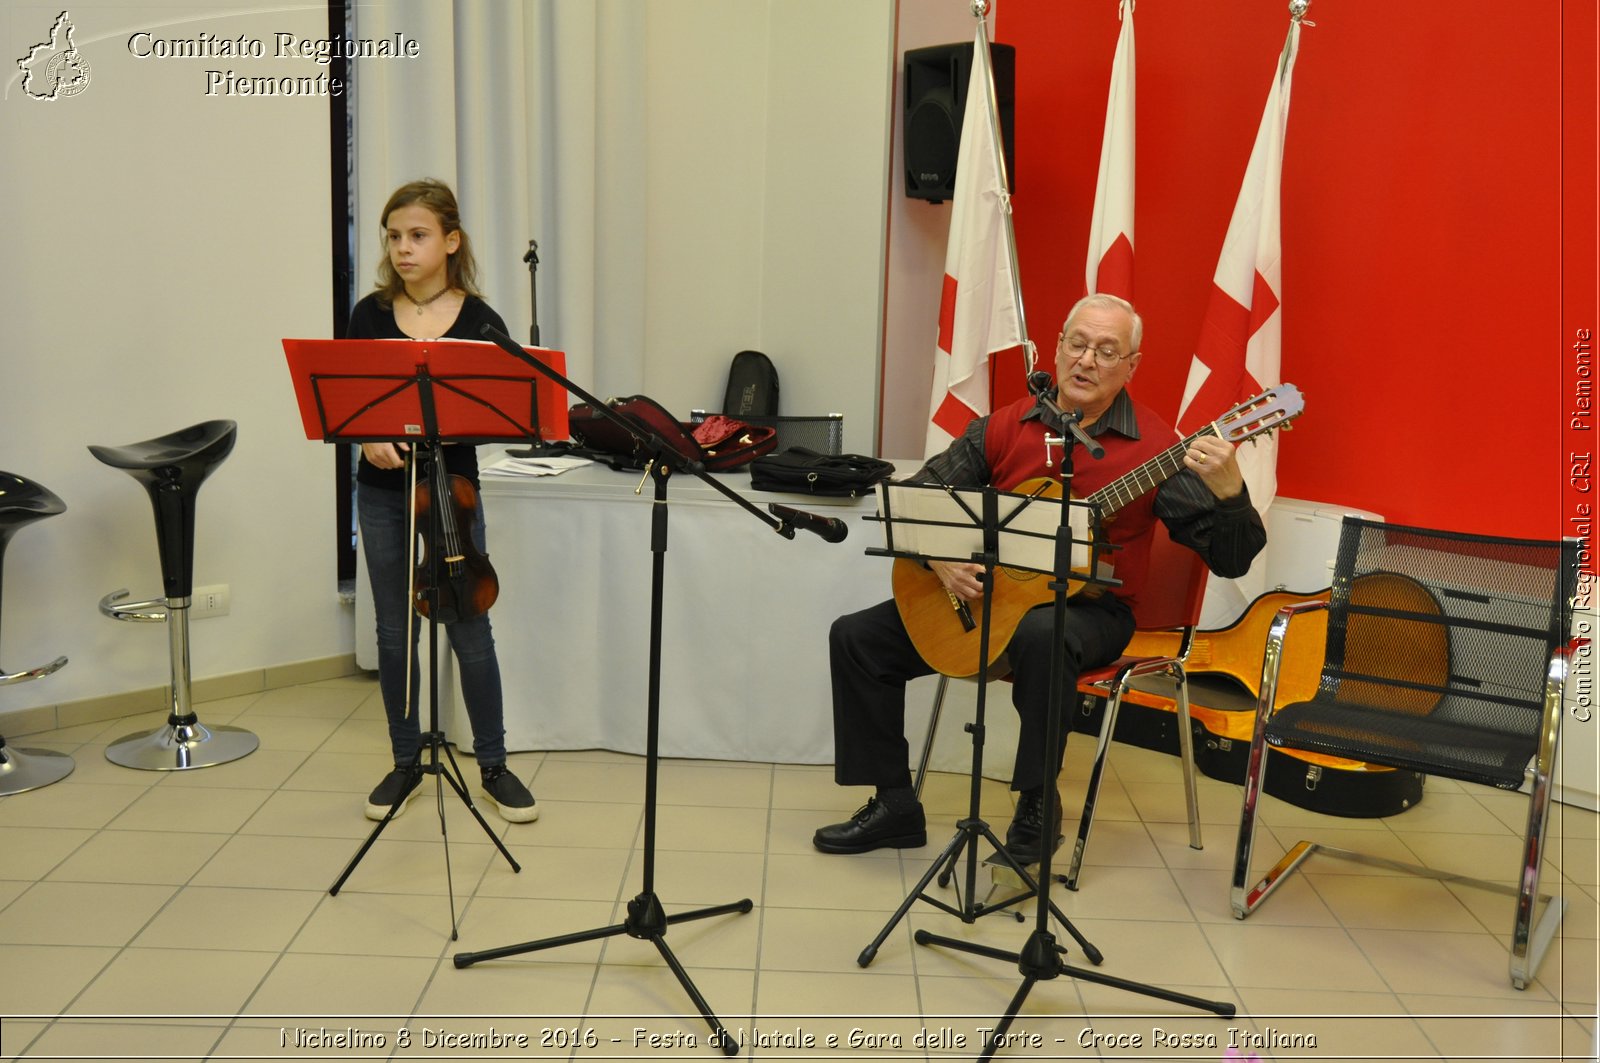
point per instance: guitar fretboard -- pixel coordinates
(1147, 477)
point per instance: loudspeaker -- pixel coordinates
(936, 100)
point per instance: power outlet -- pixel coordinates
(209, 601)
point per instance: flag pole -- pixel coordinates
(1297, 18)
(980, 11)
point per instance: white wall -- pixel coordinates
(162, 243)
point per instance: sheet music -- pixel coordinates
(518, 468)
(931, 521)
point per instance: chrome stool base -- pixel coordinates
(180, 746)
(184, 742)
(29, 769)
(171, 469)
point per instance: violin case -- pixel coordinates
(718, 443)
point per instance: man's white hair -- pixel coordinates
(1103, 299)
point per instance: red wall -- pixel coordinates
(1422, 229)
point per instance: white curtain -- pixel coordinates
(534, 112)
(702, 177)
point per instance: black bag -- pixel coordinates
(718, 443)
(752, 386)
(806, 472)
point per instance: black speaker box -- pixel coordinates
(936, 99)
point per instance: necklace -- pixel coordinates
(420, 304)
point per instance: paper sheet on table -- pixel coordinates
(931, 521)
(553, 465)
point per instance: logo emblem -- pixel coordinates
(55, 69)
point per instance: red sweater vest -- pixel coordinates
(1015, 451)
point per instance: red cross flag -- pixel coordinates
(1240, 346)
(979, 313)
(1110, 265)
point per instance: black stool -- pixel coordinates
(172, 468)
(23, 502)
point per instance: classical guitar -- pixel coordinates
(1236, 651)
(947, 632)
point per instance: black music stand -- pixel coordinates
(350, 391)
(646, 918)
(1040, 957)
(935, 522)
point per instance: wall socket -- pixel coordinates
(208, 601)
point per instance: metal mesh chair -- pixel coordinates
(1445, 655)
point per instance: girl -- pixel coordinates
(427, 289)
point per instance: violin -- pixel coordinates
(467, 584)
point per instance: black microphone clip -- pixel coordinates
(1055, 418)
(831, 529)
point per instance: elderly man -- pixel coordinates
(1206, 507)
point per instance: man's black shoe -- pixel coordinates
(1027, 827)
(874, 826)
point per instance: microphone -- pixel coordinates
(1039, 384)
(832, 529)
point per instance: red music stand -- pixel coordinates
(425, 393)
(380, 391)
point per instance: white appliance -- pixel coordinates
(1302, 538)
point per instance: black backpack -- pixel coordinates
(752, 386)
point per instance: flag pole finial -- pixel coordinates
(980, 9)
(1298, 8)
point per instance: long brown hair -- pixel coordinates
(461, 269)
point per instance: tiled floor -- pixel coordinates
(187, 916)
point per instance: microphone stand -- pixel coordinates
(646, 918)
(532, 259)
(537, 450)
(1040, 958)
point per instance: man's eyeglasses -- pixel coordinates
(1105, 357)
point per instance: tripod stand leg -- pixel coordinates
(742, 907)
(949, 852)
(991, 1044)
(432, 741)
(719, 1033)
(1216, 1007)
(349, 869)
(642, 922)
(394, 810)
(467, 959)
(458, 783)
(1041, 959)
